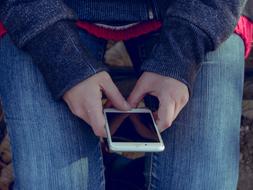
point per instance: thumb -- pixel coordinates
(166, 113)
(137, 94)
(114, 96)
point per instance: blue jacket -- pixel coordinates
(46, 30)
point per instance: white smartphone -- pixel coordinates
(132, 131)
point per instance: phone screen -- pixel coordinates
(131, 127)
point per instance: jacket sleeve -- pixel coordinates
(46, 30)
(190, 30)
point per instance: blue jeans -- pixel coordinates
(54, 150)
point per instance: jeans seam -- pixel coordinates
(150, 172)
(102, 175)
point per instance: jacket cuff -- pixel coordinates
(179, 52)
(61, 57)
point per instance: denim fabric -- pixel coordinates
(52, 149)
(24, 19)
(202, 146)
(190, 30)
(70, 61)
(248, 11)
(104, 11)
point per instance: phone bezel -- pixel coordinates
(133, 146)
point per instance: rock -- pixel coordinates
(247, 108)
(117, 55)
(246, 155)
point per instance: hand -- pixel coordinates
(172, 95)
(84, 100)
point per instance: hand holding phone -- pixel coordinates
(84, 100)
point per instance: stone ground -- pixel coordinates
(246, 162)
(246, 142)
(117, 54)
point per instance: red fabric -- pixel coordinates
(2, 30)
(117, 35)
(244, 29)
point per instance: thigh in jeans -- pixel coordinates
(202, 146)
(52, 149)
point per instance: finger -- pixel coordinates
(179, 105)
(79, 111)
(178, 108)
(96, 119)
(84, 116)
(165, 113)
(114, 95)
(137, 94)
(108, 104)
(155, 115)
